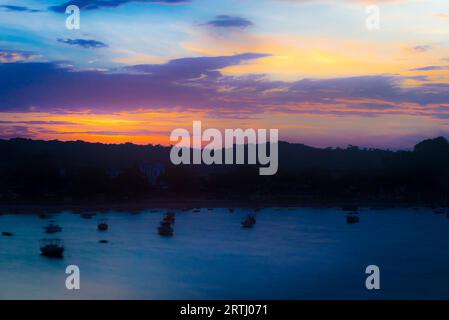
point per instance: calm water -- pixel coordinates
(290, 254)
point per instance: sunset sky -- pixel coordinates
(136, 70)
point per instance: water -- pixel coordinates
(305, 253)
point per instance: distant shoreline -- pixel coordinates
(186, 205)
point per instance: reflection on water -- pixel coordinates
(289, 254)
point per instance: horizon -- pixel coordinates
(253, 64)
(234, 144)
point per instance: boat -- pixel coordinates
(231, 210)
(165, 229)
(102, 226)
(351, 219)
(249, 221)
(196, 210)
(52, 248)
(53, 228)
(103, 241)
(169, 218)
(7, 234)
(438, 210)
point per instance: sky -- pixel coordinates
(136, 70)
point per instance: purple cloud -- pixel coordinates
(50, 86)
(197, 83)
(15, 55)
(225, 21)
(431, 68)
(190, 68)
(18, 8)
(15, 131)
(87, 44)
(37, 122)
(100, 4)
(422, 48)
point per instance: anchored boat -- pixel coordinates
(165, 229)
(52, 248)
(249, 221)
(102, 226)
(53, 228)
(351, 219)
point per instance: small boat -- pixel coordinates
(351, 219)
(249, 221)
(52, 248)
(165, 229)
(169, 218)
(257, 209)
(209, 209)
(154, 211)
(102, 226)
(196, 210)
(231, 210)
(7, 234)
(438, 210)
(53, 228)
(103, 241)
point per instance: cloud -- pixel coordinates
(16, 56)
(18, 8)
(422, 48)
(100, 4)
(191, 68)
(179, 83)
(84, 43)
(225, 21)
(33, 122)
(11, 132)
(189, 84)
(353, 1)
(431, 68)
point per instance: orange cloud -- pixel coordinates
(294, 57)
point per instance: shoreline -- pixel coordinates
(188, 204)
